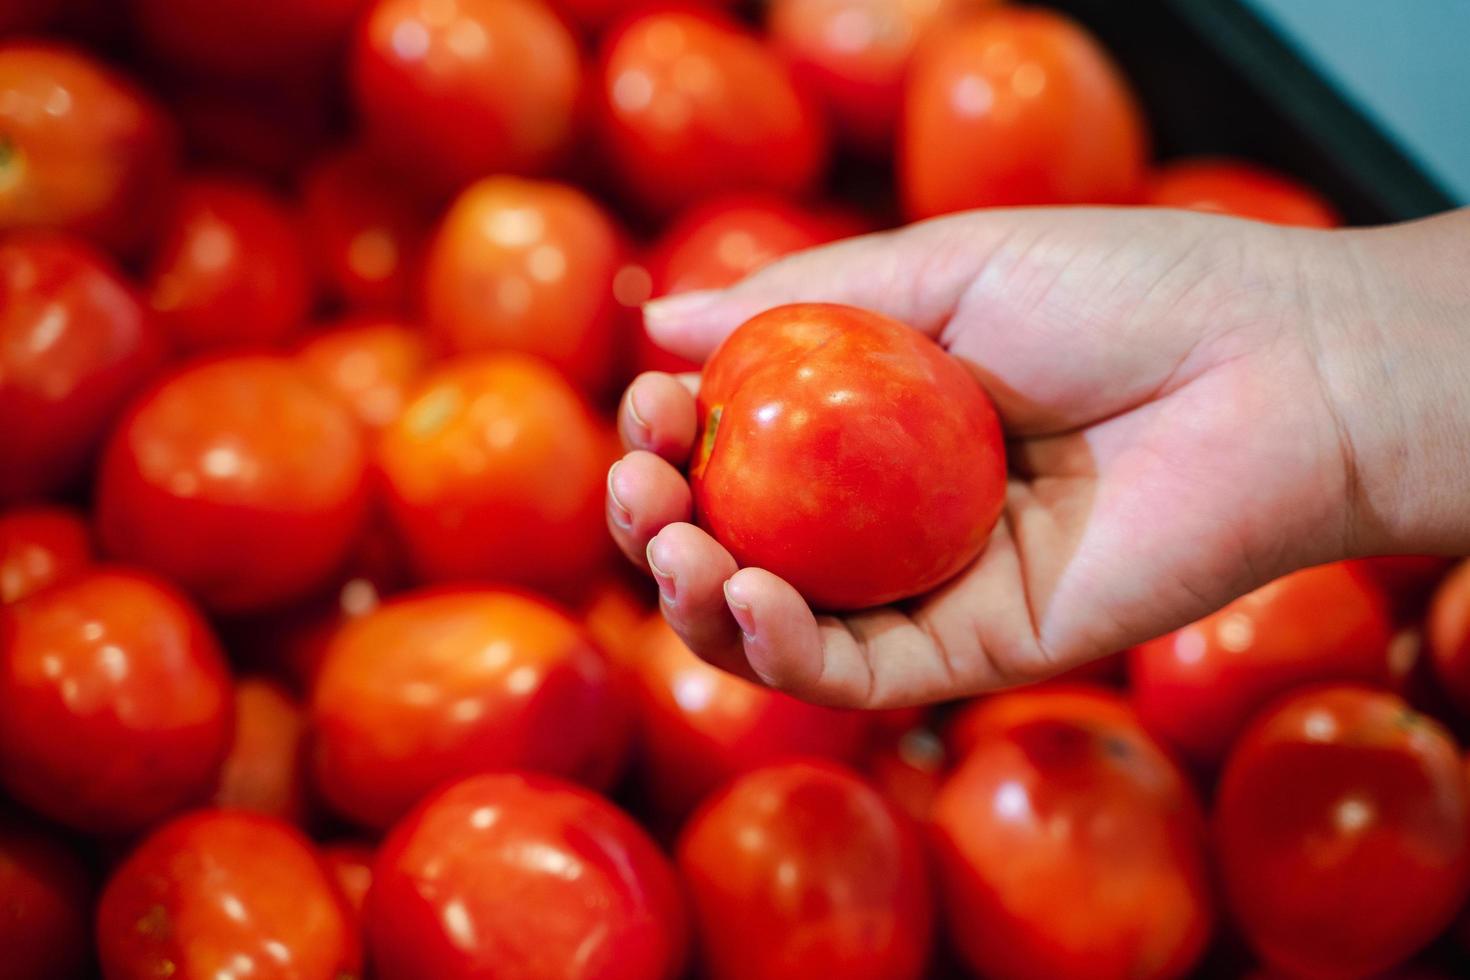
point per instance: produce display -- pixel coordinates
(316, 659)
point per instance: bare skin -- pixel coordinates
(1196, 405)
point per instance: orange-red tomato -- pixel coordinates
(231, 269)
(529, 266)
(1198, 687)
(453, 90)
(1447, 631)
(1017, 106)
(692, 105)
(987, 717)
(496, 470)
(1072, 847)
(40, 545)
(847, 454)
(372, 363)
(351, 867)
(802, 870)
(223, 893)
(1238, 187)
(1342, 823)
(244, 38)
(612, 613)
(264, 771)
(45, 895)
(81, 148)
(240, 479)
(75, 343)
(115, 703)
(523, 876)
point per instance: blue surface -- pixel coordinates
(1405, 63)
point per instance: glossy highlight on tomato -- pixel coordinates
(40, 545)
(1238, 187)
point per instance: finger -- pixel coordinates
(690, 568)
(644, 494)
(657, 414)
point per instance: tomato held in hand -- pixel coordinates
(265, 770)
(1017, 106)
(846, 453)
(1198, 687)
(1072, 847)
(1343, 829)
(115, 703)
(240, 479)
(250, 39)
(44, 897)
(1238, 187)
(40, 546)
(1448, 633)
(373, 364)
(222, 893)
(523, 876)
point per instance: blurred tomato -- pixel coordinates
(528, 265)
(372, 363)
(908, 768)
(1199, 686)
(75, 343)
(222, 893)
(1448, 633)
(290, 642)
(523, 876)
(613, 611)
(44, 898)
(231, 269)
(1237, 187)
(264, 771)
(244, 38)
(692, 105)
(1343, 828)
(1017, 106)
(351, 867)
(987, 717)
(81, 148)
(40, 545)
(115, 703)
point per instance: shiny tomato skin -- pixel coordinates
(495, 471)
(1017, 106)
(1342, 827)
(372, 363)
(351, 866)
(690, 105)
(1072, 847)
(1196, 688)
(231, 268)
(115, 702)
(75, 343)
(87, 152)
(516, 875)
(441, 684)
(40, 545)
(44, 895)
(802, 870)
(238, 478)
(1447, 631)
(265, 770)
(893, 450)
(1240, 188)
(226, 893)
(987, 717)
(528, 265)
(452, 91)
(243, 39)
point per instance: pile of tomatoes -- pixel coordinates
(315, 661)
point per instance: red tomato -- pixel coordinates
(1071, 846)
(1238, 187)
(1198, 687)
(240, 479)
(244, 38)
(374, 364)
(231, 269)
(908, 768)
(44, 898)
(895, 448)
(1448, 633)
(1018, 106)
(115, 704)
(40, 546)
(524, 876)
(613, 612)
(456, 89)
(222, 893)
(692, 105)
(987, 717)
(81, 148)
(1343, 828)
(75, 343)
(496, 470)
(528, 265)
(264, 772)
(802, 870)
(351, 867)
(442, 684)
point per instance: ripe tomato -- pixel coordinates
(1237, 187)
(239, 478)
(231, 269)
(264, 771)
(1017, 106)
(81, 148)
(496, 470)
(528, 265)
(987, 717)
(692, 105)
(1071, 846)
(75, 343)
(372, 363)
(612, 613)
(115, 704)
(908, 768)
(1448, 633)
(40, 546)
(223, 893)
(894, 448)
(456, 89)
(1343, 828)
(351, 867)
(244, 38)
(44, 895)
(524, 876)
(1198, 687)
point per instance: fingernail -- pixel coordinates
(744, 618)
(620, 513)
(640, 432)
(661, 312)
(664, 579)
